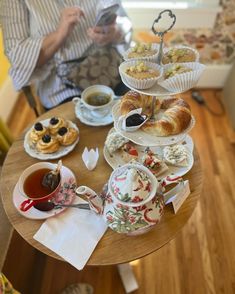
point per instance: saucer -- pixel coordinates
(85, 116)
(65, 196)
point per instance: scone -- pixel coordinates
(48, 144)
(56, 123)
(142, 50)
(37, 132)
(67, 136)
(177, 55)
(141, 71)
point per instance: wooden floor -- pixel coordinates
(201, 259)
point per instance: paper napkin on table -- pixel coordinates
(72, 234)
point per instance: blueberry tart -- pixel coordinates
(48, 144)
(56, 123)
(67, 136)
(37, 132)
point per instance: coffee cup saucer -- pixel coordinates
(65, 196)
(86, 116)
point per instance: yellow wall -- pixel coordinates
(4, 64)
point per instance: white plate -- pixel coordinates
(116, 160)
(63, 150)
(66, 196)
(85, 116)
(155, 90)
(140, 137)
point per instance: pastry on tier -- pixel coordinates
(133, 100)
(48, 144)
(181, 76)
(140, 74)
(56, 123)
(142, 50)
(181, 54)
(129, 152)
(141, 71)
(114, 141)
(176, 155)
(37, 132)
(176, 70)
(153, 163)
(172, 115)
(67, 136)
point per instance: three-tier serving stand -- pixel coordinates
(140, 137)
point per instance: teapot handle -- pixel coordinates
(171, 194)
(95, 201)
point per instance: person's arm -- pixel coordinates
(53, 42)
(119, 32)
(26, 53)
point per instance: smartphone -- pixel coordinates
(106, 16)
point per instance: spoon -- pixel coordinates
(52, 178)
(46, 206)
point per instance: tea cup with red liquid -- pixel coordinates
(31, 187)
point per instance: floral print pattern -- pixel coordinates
(125, 219)
(66, 193)
(216, 46)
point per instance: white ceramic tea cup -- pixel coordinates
(101, 110)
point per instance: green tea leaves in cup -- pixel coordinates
(98, 99)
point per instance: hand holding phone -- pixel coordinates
(107, 15)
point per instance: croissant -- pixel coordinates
(172, 115)
(133, 100)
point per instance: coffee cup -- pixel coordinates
(30, 185)
(97, 98)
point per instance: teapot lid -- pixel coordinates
(131, 184)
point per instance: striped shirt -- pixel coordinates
(25, 23)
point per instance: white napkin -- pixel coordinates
(73, 234)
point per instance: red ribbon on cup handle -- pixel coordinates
(27, 204)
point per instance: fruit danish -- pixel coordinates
(48, 144)
(56, 123)
(67, 136)
(37, 132)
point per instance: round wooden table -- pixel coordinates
(113, 248)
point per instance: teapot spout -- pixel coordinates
(95, 201)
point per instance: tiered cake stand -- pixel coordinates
(140, 137)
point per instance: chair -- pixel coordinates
(5, 227)
(6, 231)
(27, 90)
(6, 139)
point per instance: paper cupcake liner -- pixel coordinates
(136, 83)
(152, 58)
(165, 50)
(184, 81)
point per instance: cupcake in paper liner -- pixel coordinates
(179, 54)
(180, 77)
(142, 51)
(140, 74)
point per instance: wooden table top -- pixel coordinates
(113, 248)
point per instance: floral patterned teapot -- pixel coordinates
(132, 201)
